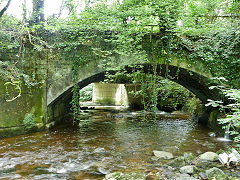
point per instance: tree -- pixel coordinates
(38, 11)
(5, 8)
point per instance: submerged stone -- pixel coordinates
(163, 154)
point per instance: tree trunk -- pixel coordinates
(38, 12)
(5, 8)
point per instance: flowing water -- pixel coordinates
(105, 141)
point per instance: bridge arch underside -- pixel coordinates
(194, 82)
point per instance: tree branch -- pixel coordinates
(5, 8)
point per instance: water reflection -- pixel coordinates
(105, 142)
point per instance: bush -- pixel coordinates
(193, 106)
(232, 119)
(86, 93)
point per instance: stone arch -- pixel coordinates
(194, 82)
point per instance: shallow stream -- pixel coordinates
(106, 141)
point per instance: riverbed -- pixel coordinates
(105, 141)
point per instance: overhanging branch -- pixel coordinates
(5, 8)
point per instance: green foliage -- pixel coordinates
(75, 101)
(233, 118)
(29, 123)
(86, 93)
(233, 108)
(193, 106)
(106, 101)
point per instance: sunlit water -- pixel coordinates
(105, 142)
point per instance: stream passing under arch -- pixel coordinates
(106, 141)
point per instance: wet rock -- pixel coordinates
(163, 154)
(167, 172)
(209, 156)
(209, 145)
(101, 171)
(188, 157)
(125, 176)
(177, 162)
(185, 177)
(154, 158)
(99, 150)
(119, 116)
(188, 169)
(207, 164)
(217, 173)
(212, 134)
(203, 176)
(151, 176)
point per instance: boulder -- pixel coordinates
(163, 154)
(208, 156)
(125, 176)
(216, 173)
(188, 170)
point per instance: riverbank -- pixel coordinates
(185, 167)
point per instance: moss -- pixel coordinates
(213, 122)
(39, 105)
(13, 131)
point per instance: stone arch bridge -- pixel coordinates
(49, 101)
(60, 93)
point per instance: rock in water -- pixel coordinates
(125, 176)
(185, 177)
(217, 173)
(208, 156)
(212, 134)
(187, 169)
(178, 162)
(163, 154)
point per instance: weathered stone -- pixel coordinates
(168, 172)
(203, 176)
(209, 156)
(178, 162)
(216, 172)
(125, 176)
(187, 169)
(185, 177)
(163, 154)
(212, 134)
